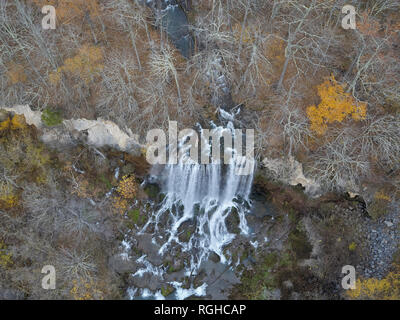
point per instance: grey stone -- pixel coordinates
(389, 224)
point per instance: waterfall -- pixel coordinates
(205, 194)
(200, 198)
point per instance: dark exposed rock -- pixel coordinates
(232, 222)
(214, 257)
(186, 230)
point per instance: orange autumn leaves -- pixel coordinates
(336, 105)
(126, 190)
(86, 64)
(13, 123)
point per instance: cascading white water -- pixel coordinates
(205, 194)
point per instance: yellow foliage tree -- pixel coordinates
(373, 289)
(335, 106)
(21, 153)
(8, 198)
(86, 290)
(126, 189)
(86, 64)
(13, 123)
(5, 257)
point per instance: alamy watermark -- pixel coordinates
(190, 147)
(349, 280)
(49, 20)
(49, 281)
(349, 21)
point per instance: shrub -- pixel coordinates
(5, 257)
(379, 205)
(120, 205)
(8, 199)
(134, 215)
(127, 187)
(85, 290)
(352, 246)
(21, 154)
(13, 123)
(51, 118)
(126, 190)
(374, 289)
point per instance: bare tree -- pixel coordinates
(380, 139)
(293, 124)
(162, 67)
(375, 68)
(119, 88)
(306, 40)
(338, 164)
(76, 265)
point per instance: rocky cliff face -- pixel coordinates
(97, 133)
(290, 172)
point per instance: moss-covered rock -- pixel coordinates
(233, 221)
(152, 190)
(254, 283)
(51, 118)
(136, 217)
(185, 230)
(167, 290)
